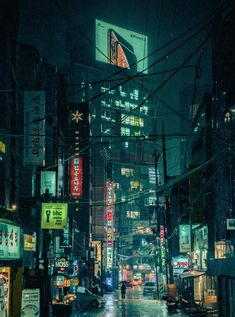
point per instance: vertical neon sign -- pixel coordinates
(109, 222)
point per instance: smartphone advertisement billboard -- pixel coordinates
(121, 47)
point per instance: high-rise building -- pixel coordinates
(121, 155)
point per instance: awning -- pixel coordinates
(191, 274)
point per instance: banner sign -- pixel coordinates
(121, 47)
(54, 215)
(76, 177)
(185, 238)
(109, 257)
(180, 264)
(30, 305)
(109, 221)
(48, 182)
(5, 279)
(109, 228)
(162, 246)
(66, 235)
(10, 243)
(34, 127)
(2, 298)
(109, 193)
(30, 242)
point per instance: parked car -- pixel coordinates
(87, 298)
(149, 288)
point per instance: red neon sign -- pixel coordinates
(76, 177)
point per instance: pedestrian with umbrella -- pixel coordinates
(123, 290)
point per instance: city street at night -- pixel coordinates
(117, 158)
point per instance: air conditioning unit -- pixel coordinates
(231, 224)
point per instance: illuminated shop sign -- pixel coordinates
(48, 182)
(54, 215)
(30, 242)
(5, 278)
(2, 147)
(109, 257)
(76, 177)
(230, 224)
(61, 263)
(121, 47)
(162, 246)
(34, 127)
(30, 304)
(109, 226)
(185, 238)
(180, 264)
(10, 244)
(66, 235)
(109, 221)
(109, 192)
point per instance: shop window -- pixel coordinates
(224, 249)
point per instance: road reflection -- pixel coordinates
(134, 305)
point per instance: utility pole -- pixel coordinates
(101, 268)
(166, 200)
(156, 155)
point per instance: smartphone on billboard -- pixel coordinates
(118, 50)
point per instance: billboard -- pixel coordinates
(34, 127)
(54, 215)
(184, 238)
(30, 303)
(10, 241)
(48, 181)
(121, 47)
(30, 242)
(76, 177)
(230, 224)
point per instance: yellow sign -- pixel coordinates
(2, 147)
(54, 215)
(75, 281)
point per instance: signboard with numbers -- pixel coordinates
(54, 215)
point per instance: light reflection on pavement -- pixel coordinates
(134, 305)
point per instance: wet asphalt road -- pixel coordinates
(135, 305)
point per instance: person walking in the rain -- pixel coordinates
(123, 290)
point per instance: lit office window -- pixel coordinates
(125, 131)
(127, 171)
(133, 214)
